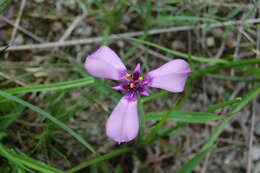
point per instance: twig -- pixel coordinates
(129, 34)
(251, 139)
(239, 87)
(10, 78)
(236, 52)
(25, 31)
(154, 53)
(246, 54)
(231, 141)
(72, 26)
(242, 31)
(16, 24)
(159, 158)
(221, 50)
(205, 165)
(228, 4)
(34, 124)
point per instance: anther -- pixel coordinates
(140, 78)
(127, 75)
(132, 85)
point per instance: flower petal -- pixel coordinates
(119, 88)
(137, 72)
(143, 92)
(104, 63)
(123, 123)
(170, 76)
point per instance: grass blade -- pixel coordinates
(222, 105)
(141, 122)
(154, 96)
(220, 127)
(49, 117)
(191, 164)
(233, 64)
(189, 117)
(233, 78)
(168, 20)
(26, 161)
(253, 93)
(176, 53)
(4, 4)
(154, 131)
(52, 87)
(101, 158)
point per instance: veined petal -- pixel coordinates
(123, 123)
(104, 63)
(170, 76)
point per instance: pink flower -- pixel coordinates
(123, 123)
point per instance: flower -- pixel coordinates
(123, 124)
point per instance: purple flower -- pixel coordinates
(123, 123)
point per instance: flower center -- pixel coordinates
(133, 84)
(134, 81)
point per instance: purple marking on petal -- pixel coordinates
(170, 76)
(123, 123)
(125, 81)
(104, 63)
(147, 81)
(143, 92)
(131, 95)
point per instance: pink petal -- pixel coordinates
(119, 88)
(104, 63)
(170, 76)
(123, 123)
(137, 70)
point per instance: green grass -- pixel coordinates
(48, 116)
(4, 4)
(52, 87)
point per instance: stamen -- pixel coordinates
(127, 75)
(140, 78)
(132, 85)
